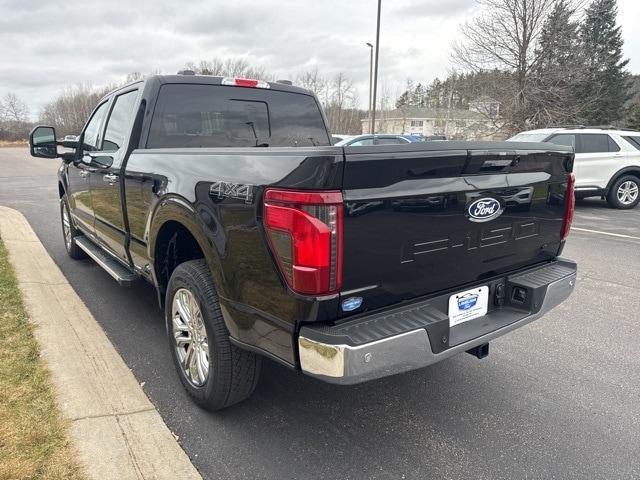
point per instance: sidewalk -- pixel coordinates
(116, 430)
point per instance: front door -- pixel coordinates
(105, 179)
(79, 172)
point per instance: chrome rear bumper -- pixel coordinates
(349, 364)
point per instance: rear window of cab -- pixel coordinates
(192, 115)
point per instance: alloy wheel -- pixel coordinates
(66, 228)
(191, 342)
(627, 192)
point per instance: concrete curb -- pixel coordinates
(116, 430)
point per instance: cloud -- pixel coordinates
(431, 8)
(45, 46)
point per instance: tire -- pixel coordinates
(69, 231)
(232, 373)
(625, 192)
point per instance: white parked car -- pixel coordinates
(339, 137)
(366, 140)
(607, 162)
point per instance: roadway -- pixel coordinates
(558, 398)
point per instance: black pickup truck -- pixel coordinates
(263, 239)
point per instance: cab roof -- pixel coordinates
(581, 129)
(210, 80)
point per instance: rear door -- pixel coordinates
(79, 172)
(633, 156)
(597, 159)
(409, 225)
(105, 178)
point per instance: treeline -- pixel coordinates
(457, 91)
(547, 62)
(14, 118)
(71, 109)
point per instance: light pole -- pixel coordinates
(370, 82)
(375, 73)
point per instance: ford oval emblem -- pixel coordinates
(484, 209)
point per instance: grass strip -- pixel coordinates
(34, 441)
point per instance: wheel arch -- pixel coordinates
(176, 236)
(631, 170)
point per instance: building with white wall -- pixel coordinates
(472, 124)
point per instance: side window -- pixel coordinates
(119, 121)
(92, 132)
(568, 140)
(391, 141)
(633, 140)
(362, 143)
(593, 143)
(613, 146)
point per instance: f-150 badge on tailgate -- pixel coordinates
(484, 209)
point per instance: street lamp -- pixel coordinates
(375, 73)
(370, 82)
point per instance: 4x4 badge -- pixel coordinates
(241, 191)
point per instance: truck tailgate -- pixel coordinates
(428, 217)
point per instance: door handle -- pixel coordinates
(83, 173)
(110, 178)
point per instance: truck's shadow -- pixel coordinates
(429, 420)
(410, 424)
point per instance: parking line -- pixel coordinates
(619, 235)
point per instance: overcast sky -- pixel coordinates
(47, 45)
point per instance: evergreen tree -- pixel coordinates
(403, 100)
(412, 96)
(632, 117)
(418, 96)
(559, 70)
(605, 88)
(434, 94)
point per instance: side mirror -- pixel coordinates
(42, 142)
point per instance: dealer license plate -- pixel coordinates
(467, 305)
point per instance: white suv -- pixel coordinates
(607, 160)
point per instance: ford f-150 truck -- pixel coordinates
(264, 240)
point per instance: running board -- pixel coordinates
(119, 272)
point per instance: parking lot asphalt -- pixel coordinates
(559, 398)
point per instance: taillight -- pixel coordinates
(569, 206)
(245, 82)
(305, 234)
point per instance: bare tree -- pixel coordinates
(504, 37)
(133, 77)
(338, 97)
(312, 80)
(69, 112)
(13, 109)
(229, 67)
(14, 118)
